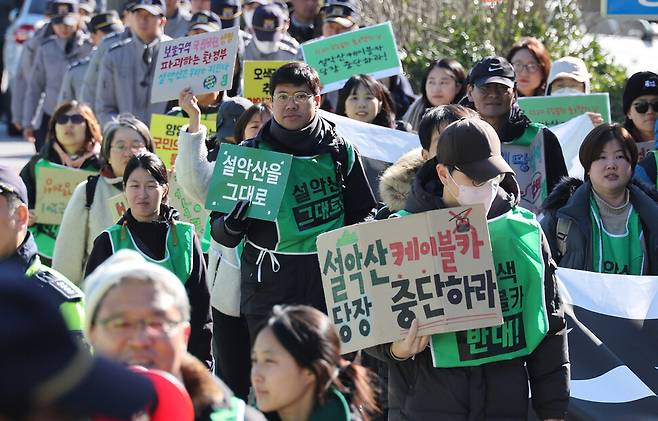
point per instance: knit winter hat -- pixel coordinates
(641, 83)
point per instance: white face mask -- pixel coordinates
(268, 47)
(248, 17)
(566, 91)
(472, 195)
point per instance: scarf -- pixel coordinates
(306, 141)
(76, 161)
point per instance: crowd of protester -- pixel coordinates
(244, 303)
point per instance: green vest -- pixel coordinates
(73, 312)
(312, 203)
(44, 234)
(178, 251)
(620, 254)
(335, 408)
(528, 135)
(655, 155)
(235, 411)
(517, 254)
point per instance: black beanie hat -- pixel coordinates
(641, 83)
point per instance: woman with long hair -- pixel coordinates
(73, 141)
(298, 373)
(151, 228)
(532, 65)
(365, 99)
(91, 207)
(444, 82)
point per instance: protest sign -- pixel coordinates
(165, 129)
(118, 206)
(190, 211)
(643, 148)
(529, 165)
(434, 266)
(203, 62)
(249, 173)
(554, 110)
(371, 50)
(55, 185)
(257, 79)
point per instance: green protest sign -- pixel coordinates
(370, 50)
(554, 110)
(249, 173)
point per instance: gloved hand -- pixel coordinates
(236, 222)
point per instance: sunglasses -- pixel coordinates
(643, 107)
(75, 119)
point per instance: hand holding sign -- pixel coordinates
(189, 103)
(411, 345)
(236, 221)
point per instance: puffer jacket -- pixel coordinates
(570, 200)
(395, 183)
(494, 391)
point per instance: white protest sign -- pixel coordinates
(203, 62)
(571, 135)
(435, 266)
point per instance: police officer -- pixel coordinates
(100, 25)
(19, 82)
(18, 247)
(305, 20)
(90, 85)
(178, 19)
(126, 76)
(340, 16)
(67, 45)
(270, 28)
(202, 22)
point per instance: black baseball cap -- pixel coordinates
(44, 366)
(492, 70)
(473, 146)
(205, 20)
(107, 22)
(228, 114)
(154, 7)
(12, 183)
(267, 20)
(229, 11)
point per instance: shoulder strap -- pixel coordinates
(561, 234)
(340, 158)
(90, 190)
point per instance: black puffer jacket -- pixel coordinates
(570, 200)
(495, 391)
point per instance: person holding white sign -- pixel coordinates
(608, 222)
(488, 377)
(126, 73)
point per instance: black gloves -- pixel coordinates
(236, 221)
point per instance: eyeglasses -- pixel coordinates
(496, 180)
(135, 147)
(642, 107)
(297, 97)
(530, 67)
(495, 89)
(157, 326)
(65, 118)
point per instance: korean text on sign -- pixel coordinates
(203, 62)
(370, 50)
(435, 267)
(165, 130)
(257, 79)
(249, 173)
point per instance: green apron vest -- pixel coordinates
(235, 411)
(312, 203)
(45, 234)
(73, 312)
(517, 254)
(620, 254)
(528, 135)
(178, 251)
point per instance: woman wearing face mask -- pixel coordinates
(151, 228)
(74, 138)
(444, 82)
(569, 76)
(608, 222)
(365, 99)
(298, 373)
(469, 170)
(90, 211)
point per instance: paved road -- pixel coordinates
(14, 152)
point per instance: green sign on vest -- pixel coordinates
(620, 254)
(178, 252)
(517, 253)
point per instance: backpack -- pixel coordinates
(561, 235)
(90, 190)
